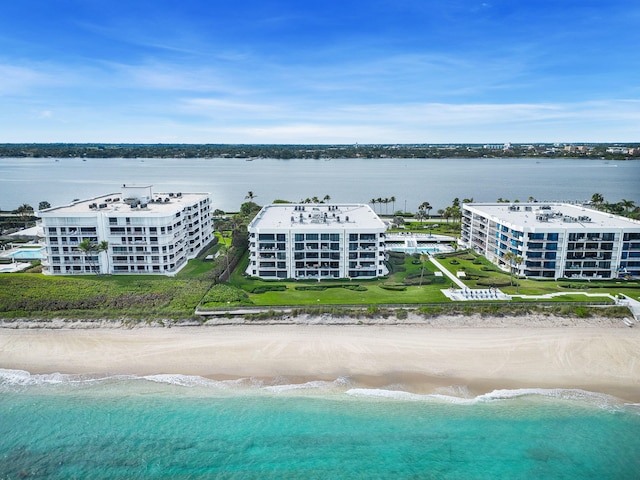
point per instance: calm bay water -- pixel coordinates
(56, 426)
(410, 181)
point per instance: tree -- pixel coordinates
(517, 260)
(373, 202)
(467, 200)
(425, 206)
(628, 205)
(597, 200)
(44, 205)
(508, 258)
(25, 212)
(250, 196)
(423, 258)
(326, 198)
(393, 203)
(90, 250)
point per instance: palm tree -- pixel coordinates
(628, 205)
(509, 257)
(250, 196)
(373, 202)
(393, 202)
(423, 258)
(90, 249)
(597, 200)
(25, 212)
(425, 206)
(326, 198)
(517, 260)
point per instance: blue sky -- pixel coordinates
(275, 71)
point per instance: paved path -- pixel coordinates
(451, 276)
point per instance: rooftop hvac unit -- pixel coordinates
(103, 205)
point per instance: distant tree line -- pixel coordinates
(76, 150)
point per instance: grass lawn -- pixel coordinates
(131, 296)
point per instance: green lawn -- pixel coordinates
(131, 296)
(32, 295)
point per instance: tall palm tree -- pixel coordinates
(509, 257)
(250, 196)
(90, 249)
(597, 200)
(393, 203)
(628, 205)
(326, 198)
(425, 206)
(25, 212)
(423, 258)
(373, 202)
(517, 260)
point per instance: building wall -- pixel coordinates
(560, 250)
(140, 241)
(335, 250)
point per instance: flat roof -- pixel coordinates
(116, 203)
(538, 215)
(317, 216)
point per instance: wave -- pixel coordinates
(599, 399)
(340, 382)
(12, 379)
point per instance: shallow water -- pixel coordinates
(172, 426)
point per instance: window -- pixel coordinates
(552, 236)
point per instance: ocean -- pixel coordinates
(410, 181)
(171, 426)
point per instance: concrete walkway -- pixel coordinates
(632, 304)
(451, 276)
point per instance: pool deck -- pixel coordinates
(19, 264)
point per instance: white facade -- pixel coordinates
(147, 233)
(316, 241)
(555, 240)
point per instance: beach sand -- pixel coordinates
(416, 358)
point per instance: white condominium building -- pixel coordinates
(316, 241)
(554, 240)
(147, 233)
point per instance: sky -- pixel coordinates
(319, 72)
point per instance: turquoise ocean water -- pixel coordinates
(70, 426)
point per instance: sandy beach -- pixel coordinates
(421, 359)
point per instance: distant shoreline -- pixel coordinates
(596, 151)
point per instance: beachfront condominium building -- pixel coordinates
(553, 240)
(146, 233)
(316, 241)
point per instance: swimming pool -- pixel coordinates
(430, 249)
(27, 254)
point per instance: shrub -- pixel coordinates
(395, 288)
(222, 294)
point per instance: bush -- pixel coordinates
(268, 288)
(395, 288)
(222, 294)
